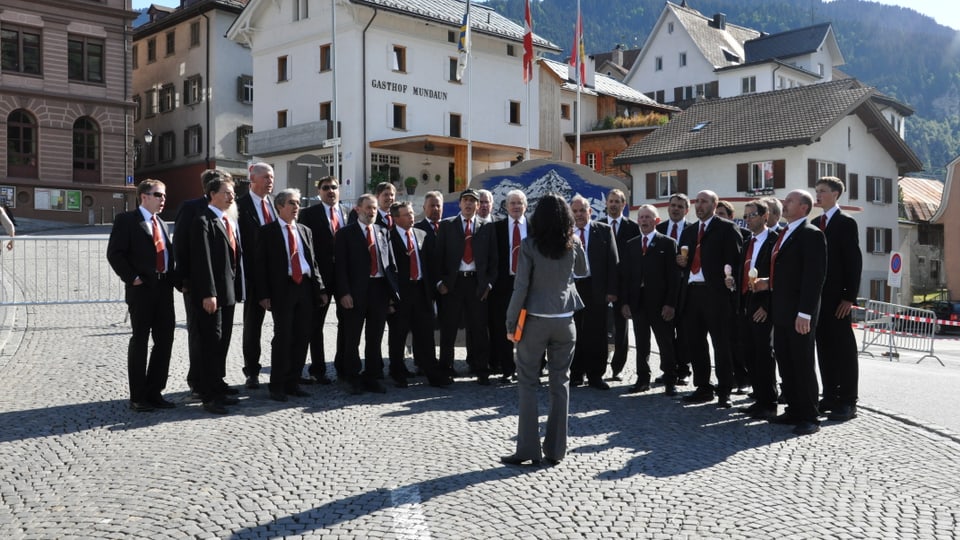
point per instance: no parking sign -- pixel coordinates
(895, 270)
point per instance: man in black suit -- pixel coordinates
(709, 305)
(741, 378)
(141, 253)
(623, 230)
(432, 213)
(797, 271)
(187, 212)
(288, 285)
(414, 310)
(649, 294)
(507, 235)
(323, 220)
(597, 289)
(386, 194)
(365, 289)
(754, 320)
(255, 209)
(836, 344)
(464, 283)
(216, 282)
(677, 210)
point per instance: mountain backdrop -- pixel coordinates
(902, 53)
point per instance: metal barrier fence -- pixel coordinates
(57, 270)
(900, 327)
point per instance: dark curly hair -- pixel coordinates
(551, 226)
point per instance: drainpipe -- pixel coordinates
(363, 101)
(773, 83)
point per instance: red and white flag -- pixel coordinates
(577, 53)
(528, 45)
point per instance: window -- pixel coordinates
(511, 50)
(245, 89)
(195, 34)
(452, 70)
(820, 69)
(879, 290)
(151, 97)
(455, 122)
(192, 140)
(761, 176)
(21, 144)
(748, 85)
(167, 98)
(879, 190)
(670, 28)
(879, 240)
(683, 59)
(85, 59)
(514, 112)
(300, 9)
(659, 96)
(137, 108)
(399, 59)
(281, 119)
(451, 36)
(658, 63)
(668, 183)
(935, 270)
(134, 55)
(826, 168)
(86, 150)
(20, 50)
(171, 43)
(151, 50)
(167, 148)
(399, 120)
(565, 111)
(193, 90)
(326, 60)
(387, 164)
(282, 74)
(326, 109)
(243, 139)
(137, 154)
(591, 160)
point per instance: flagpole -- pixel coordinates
(529, 106)
(528, 67)
(579, 33)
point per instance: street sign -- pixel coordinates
(331, 142)
(895, 271)
(129, 180)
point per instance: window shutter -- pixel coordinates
(583, 158)
(651, 186)
(888, 190)
(186, 92)
(743, 172)
(186, 142)
(842, 172)
(681, 181)
(870, 185)
(811, 173)
(853, 188)
(887, 240)
(599, 162)
(678, 94)
(779, 173)
(871, 231)
(240, 89)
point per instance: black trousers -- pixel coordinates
(709, 311)
(253, 315)
(796, 362)
(644, 323)
(318, 358)
(194, 343)
(590, 351)
(215, 330)
(413, 315)
(369, 314)
(292, 310)
(757, 354)
(462, 300)
(501, 348)
(837, 356)
(621, 341)
(151, 313)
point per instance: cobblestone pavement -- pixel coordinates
(422, 462)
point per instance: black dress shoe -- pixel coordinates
(785, 419)
(575, 382)
(297, 392)
(698, 396)
(723, 401)
(842, 413)
(764, 413)
(276, 395)
(670, 390)
(229, 400)
(356, 388)
(483, 380)
(826, 405)
(439, 381)
(252, 382)
(160, 403)
(806, 428)
(507, 378)
(637, 388)
(616, 377)
(141, 406)
(215, 407)
(400, 382)
(658, 380)
(599, 385)
(308, 380)
(682, 381)
(752, 408)
(514, 459)
(229, 391)
(375, 386)
(551, 461)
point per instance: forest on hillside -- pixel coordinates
(902, 53)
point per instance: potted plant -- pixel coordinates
(411, 183)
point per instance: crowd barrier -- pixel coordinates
(57, 270)
(897, 327)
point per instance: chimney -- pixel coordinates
(618, 55)
(720, 21)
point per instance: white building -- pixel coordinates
(401, 109)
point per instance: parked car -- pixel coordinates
(945, 311)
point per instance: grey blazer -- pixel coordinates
(545, 285)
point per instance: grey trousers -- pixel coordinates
(556, 336)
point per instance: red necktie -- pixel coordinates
(372, 247)
(695, 266)
(645, 240)
(159, 246)
(515, 252)
(412, 253)
(267, 218)
(389, 221)
(296, 272)
(468, 244)
(232, 239)
(583, 239)
(436, 227)
(823, 222)
(673, 230)
(773, 256)
(334, 222)
(745, 280)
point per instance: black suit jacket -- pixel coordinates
(663, 227)
(449, 253)
(844, 260)
(250, 224)
(188, 211)
(131, 252)
(626, 231)
(751, 301)
(602, 256)
(426, 226)
(650, 281)
(398, 243)
(799, 270)
(352, 269)
(721, 245)
(271, 262)
(212, 272)
(317, 220)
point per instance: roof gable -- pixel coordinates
(793, 43)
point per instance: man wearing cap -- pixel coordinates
(464, 268)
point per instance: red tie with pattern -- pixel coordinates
(673, 230)
(389, 221)
(823, 222)
(267, 218)
(468, 244)
(436, 227)
(645, 240)
(583, 239)
(296, 272)
(372, 248)
(414, 267)
(159, 246)
(773, 256)
(515, 251)
(745, 280)
(695, 266)
(232, 239)
(334, 222)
